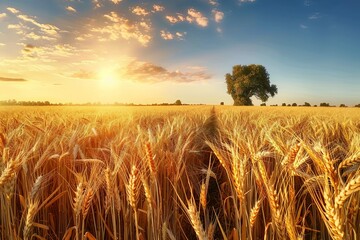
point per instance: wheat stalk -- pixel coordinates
(254, 212)
(194, 216)
(345, 193)
(29, 220)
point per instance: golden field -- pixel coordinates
(179, 172)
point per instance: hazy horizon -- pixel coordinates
(159, 51)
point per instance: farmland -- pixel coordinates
(179, 172)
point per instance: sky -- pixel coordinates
(131, 51)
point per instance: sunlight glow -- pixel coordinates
(108, 78)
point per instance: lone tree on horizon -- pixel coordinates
(247, 81)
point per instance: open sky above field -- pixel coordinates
(158, 51)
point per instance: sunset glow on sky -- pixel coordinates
(159, 51)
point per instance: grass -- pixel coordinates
(179, 173)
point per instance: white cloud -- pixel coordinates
(218, 15)
(46, 28)
(166, 35)
(140, 11)
(2, 44)
(245, 1)
(149, 72)
(48, 53)
(315, 16)
(13, 10)
(213, 2)
(303, 26)
(199, 18)
(71, 9)
(175, 19)
(96, 3)
(122, 28)
(158, 8)
(2, 15)
(116, 1)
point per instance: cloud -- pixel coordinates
(198, 17)
(218, 15)
(307, 3)
(82, 74)
(45, 28)
(71, 9)
(245, 1)
(13, 10)
(158, 8)
(122, 28)
(48, 53)
(34, 36)
(2, 15)
(166, 35)
(315, 16)
(148, 72)
(96, 3)
(213, 2)
(140, 11)
(2, 44)
(116, 1)
(175, 19)
(6, 79)
(303, 26)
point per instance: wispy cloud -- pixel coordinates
(140, 11)
(213, 2)
(307, 3)
(149, 72)
(198, 17)
(245, 1)
(218, 15)
(315, 16)
(12, 10)
(303, 26)
(83, 74)
(175, 19)
(158, 8)
(116, 1)
(7, 79)
(2, 44)
(2, 15)
(166, 35)
(48, 53)
(71, 9)
(123, 28)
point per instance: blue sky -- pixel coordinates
(160, 51)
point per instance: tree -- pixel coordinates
(306, 104)
(284, 104)
(324, 105)
(294, 105)
(263, 104)
(343, 105)
(221, 103)
(178, 102)
(247, 81)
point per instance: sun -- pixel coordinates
(108, 78)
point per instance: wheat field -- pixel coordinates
(187, 172)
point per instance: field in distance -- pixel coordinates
(179, 172)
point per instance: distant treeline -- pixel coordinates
(306, 104)
(176, 103)
(13, 102)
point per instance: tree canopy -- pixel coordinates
(247, 81)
